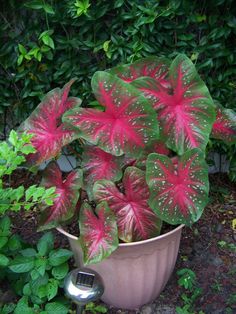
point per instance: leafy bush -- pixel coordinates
(12, 155)
(45, 43)
(35, 273)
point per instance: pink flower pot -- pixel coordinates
(137, 272)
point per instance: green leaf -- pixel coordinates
(45, 244)
(5, 224)
(13, 138)
(3, 241)
(56, 308)
(42, 292)
(118, 3)
(39, 56)
(26, 290)
(52, 288)
(28, 150)
(14, 243)
(40, 265)
(58, 257)
(8, 308)
(36, 4)
(23, 307)
(4, 260)
(48, 41)
(22, 50)
(34, 274)
(59, 272)
(19, 60)
(48, 9)
(30, 252)
(22, 264)
(34, 192)
(38, 284)
(106, 45)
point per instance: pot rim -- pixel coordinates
(165, 235)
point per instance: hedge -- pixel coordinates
(46, 42)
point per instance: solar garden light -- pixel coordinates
(83, 285)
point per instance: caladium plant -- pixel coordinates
(143, 160)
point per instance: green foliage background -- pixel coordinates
(46, 42)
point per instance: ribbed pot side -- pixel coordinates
(136, 273)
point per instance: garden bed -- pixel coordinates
(208, 249)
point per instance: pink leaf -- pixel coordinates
(98, 165)
(127, 124)
(49, 133)
(135, 219)
(186, 111)
(67, 191)
(224, 128)
(179, 187)
(154, 67)
(98, 232)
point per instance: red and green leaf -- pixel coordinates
(154, 67)
(179, 187)
(67, 191)
(127, 124)
(135, 219)
(98, 165)
(186, 111)
(157, 147)
(224, 128)
(98, 232)
(49, 133)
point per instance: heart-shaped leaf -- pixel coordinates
(224, 128)
(154, 67)
(135, 219)
(98, 232)
(98, 165)
(127, 124)
(179, 187)
(49, 133)
(186, 111)
(67, 191)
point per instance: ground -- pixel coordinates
(208, 249)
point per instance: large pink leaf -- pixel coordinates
(186, 111)
(98, 165)
(49, 133)
(224, 128)
(127, 124)
(67, 191)
(98, 232)
(154, 67)
(179, 187)
(135, 219)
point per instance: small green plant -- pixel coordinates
(228, 246)
(37, 50)
(81, 7)
(216, 286)
(12, 155)
(187, 280)
(93, 308)
(35, 273)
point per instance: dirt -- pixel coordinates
(208, 249)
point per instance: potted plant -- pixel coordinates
(143, 163)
